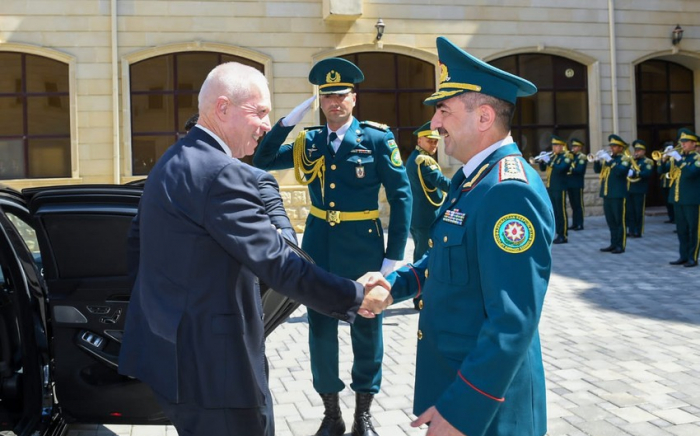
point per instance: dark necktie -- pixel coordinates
(457, 180)
(332, 137)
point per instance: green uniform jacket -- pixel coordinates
(424, 203)
(613, 183)
(686, 190)
(478, 358)
(367, 158)
(575, 178)
(556, 169)
(646, 169)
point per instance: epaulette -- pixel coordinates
(378, 126)
(424, 158)
(511, 168)
(313, 128)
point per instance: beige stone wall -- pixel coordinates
(98, 38)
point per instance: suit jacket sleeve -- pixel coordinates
(274, 206)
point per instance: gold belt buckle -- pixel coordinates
(333, 217)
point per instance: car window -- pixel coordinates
(28, 235)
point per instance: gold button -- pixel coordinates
(332, 204)
(444, 239)
(420, 335)
(370, 230)
(420, 304)
(426, 273)
(331, 223)
(430, 243)
(332, 185)
(333, 167)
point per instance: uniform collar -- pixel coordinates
(481, 156)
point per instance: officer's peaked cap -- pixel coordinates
(335, 76)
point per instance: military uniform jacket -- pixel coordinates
(367, 158)
(421, 166)
(613, 176)
(686, 190)
(478, 358)
(646, 169)
(556, 169)
(576, 176)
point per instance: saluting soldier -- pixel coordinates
(613, 168)
(662, 169)
(344, 164)
(427, 186)
(685, 190)
(556, 167)
(575, 182)
(478, 363)
(638, 188)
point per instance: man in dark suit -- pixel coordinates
(194, 329)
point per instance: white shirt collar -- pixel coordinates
(223, 145)
(478, 158)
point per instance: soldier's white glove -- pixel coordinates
(546, 158)
(630, 173)
(674, 154)
(605, 156)
(388, 266)
(298, 113)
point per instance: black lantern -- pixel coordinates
(676, 35)
(380, 29)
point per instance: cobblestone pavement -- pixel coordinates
(621, 344)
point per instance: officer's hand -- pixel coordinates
(388, 266)
(298, 113)
(377, 295)
(630, 173)
(605, 156)
(438, 426)
(545, 158)
(674, 154)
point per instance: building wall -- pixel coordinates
(99, 38)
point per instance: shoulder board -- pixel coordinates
(313, 128)
(424, 158)
(511, 168)
(376, 125)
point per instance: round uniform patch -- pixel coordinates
(396, 157)
(514, 233)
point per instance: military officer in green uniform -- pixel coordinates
(614, 168)
(575, 182)
(641, 171)
(344, 163)
(557, 166)
(479, 367)
(662, 169)
(428, 187)
(685, 191)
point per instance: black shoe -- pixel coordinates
(669, 222)
(617, 250)
(678, 262)
(637, 235)
(576, 228)
(362, 424)
(332, 424)
(630, 235)
(560, 240)
(690, 264)
(607, 249)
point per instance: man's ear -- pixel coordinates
(487, 116)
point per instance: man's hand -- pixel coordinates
(298, 113)
(605, 156)
(388, 266)
(377, 295)
(545, 158)
(438, 425)
(674, 154)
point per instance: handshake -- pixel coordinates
(377, 294)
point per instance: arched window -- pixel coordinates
(35, 122)
(560, 105)
(164, 92)
(392, 93)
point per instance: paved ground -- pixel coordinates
(621, 339)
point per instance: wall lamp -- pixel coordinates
(677, 35)
(380, 29)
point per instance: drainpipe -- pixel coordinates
(116, 156)
(613, 66)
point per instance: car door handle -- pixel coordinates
(112, 319)
(94, 344)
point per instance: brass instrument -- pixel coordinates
(634, 165)
(659, 155)
(537, 159)
(597, 156)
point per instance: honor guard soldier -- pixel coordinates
(344, 163)
(478, 363)
(614, 168)
(662, 169)
(685, 190)
(427, 186)
(557, 166)
(575, 181)
(641, 171)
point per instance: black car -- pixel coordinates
(64, 292)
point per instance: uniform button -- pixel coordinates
(426, 273)
(332, 224)
(370, 230)
(332, 185)
(420, 335)
(420, 304)
(333, 167)
(444, 239)
(332, 204)
(430, 243)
